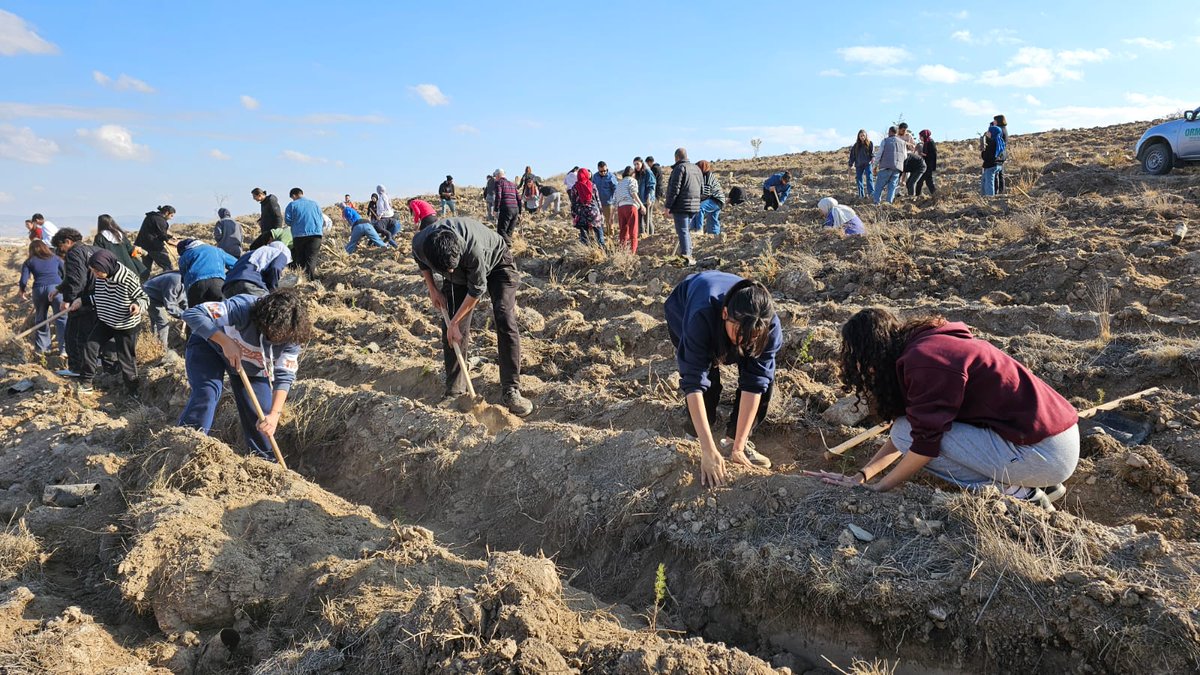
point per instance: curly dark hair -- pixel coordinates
(872, 341)
(282, 316)
(748, 304)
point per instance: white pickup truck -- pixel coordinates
(1170, 144)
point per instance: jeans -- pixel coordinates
(502, 289)
(41, 311)
(447, 204)
(972, 457)
(126, 347)
(205, 290)
(709, 218)
(888, 179)
(206, 368)
(987, 184)
(607, 210)
(864, 181)
(682, 222)
(305, 254)
(364, 229)
(648, 225)
(490, 201)
(160, 322)
(586, 234)
(999, 179)
(627, 216)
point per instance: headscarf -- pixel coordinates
(384, 209)
(841, 214)
(224, 213)
(584, 188)
(704, 165)
(570, 179)
(105, 261)
(925, 134)
(262, 256)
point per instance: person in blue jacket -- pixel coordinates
(262, 336)
(715, 318)
(203, 267)
(304, 217)
(257, 272)
(359, 228)
(606, 187)
(167, 300)
(647, 186)
(46, 271)
(776, 190)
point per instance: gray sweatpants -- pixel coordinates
(972, 457)
(160, 322)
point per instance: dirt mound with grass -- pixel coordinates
(416, 537)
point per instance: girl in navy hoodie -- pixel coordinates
(46, 271)
(964, 411)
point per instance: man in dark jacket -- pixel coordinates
(472, 259)
(446, 194)
(77, 284)
(507, 206)
(270, 217)
(683, 200)
(153, 238)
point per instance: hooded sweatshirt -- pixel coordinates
(199, 261)
(78, 280)
(260, 357)
(270, 215)
(948, 376)
(261, 267)
(228, 233)
(115, 294)
(421, 210)
(837, 215)
(118, 245)
(155, 233)
(166, 289)
(693, 313)
(384, 208)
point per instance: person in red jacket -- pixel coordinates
(423, 213)
(964, 411)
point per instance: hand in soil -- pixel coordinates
(832, 478)
(738, 456)
(712, 468)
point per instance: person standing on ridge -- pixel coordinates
(227, 233)
(647, 193)
(46, 271)
(385, 214)
(270, 216)
(683, 200)
(889, 164)
(304, 217)
(507, 206)
(446, 194)
(606, 185)
(153, 238)
(472, 259)
(629, 207)
(862, 154)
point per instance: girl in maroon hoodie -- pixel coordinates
(964, 411)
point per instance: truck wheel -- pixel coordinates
(1157, 159)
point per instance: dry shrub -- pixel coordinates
(767, 267)
(1099, 295)
(19, 552)
(623, 262)
(863, 667)
(1158, 203)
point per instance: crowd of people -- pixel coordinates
(963, 410)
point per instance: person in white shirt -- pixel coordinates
(629, 207)
(48, 228)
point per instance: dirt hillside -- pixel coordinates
(413, 537)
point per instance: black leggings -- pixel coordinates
(927, 179)
(305, 252)
(126, 350)
(205, 290)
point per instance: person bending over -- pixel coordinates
(715, 318)
(257, 272)
(473, 259)
(964, 411)
(263, 336)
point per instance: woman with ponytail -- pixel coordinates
(716, 318)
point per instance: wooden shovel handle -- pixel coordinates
(462, 362)
(258, 409)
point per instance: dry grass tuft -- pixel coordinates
(766, 266)
(20, 552)
(863, 667)
(1099, 294)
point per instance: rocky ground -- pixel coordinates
(410, 537)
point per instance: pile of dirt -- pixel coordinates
(413, 537)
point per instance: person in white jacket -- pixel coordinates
(629, 208)
(387, 215)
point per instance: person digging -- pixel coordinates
(715, 318)
(473, 259)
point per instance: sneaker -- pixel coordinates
(66, 372)
(691, 261)
(62, 354)
(448, 398)
(756, 458)
(1055, 492)
(1031, 494)
(516, 403)
(86, 387)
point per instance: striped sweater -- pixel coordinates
(710, 188)
(114, 295)
(627, 193)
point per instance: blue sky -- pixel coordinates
(120, 106)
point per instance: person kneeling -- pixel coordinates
(473, 259)
(260, 335)
(715, 318)
(964, 411)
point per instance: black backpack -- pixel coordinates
(736, 196)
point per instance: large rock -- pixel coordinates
(846, 412)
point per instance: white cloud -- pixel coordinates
(218, 155)
(1137, 107)
(5, 198)
(1022, 77)
(329, 118)
(831, 72)
(961, 36)
(301, 158)
(793, 138)
(941, 74)
(249, 102)
(10, 110)
(122, 83)
(466, 129)
(1040, 67)
(115, 141)
(1150, 43)
(999, 36)
(972, 108)
(1076, 57)
(1031, 99)
(876, 56)
(430, 94)
(23, 145)
(16, 37)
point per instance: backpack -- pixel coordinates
(1001, 147)
(736, 195)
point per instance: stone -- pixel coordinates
(938, 613)
(697, 526)
(859, 533)
(1136, 461)
(927, 528)
(848, 411)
